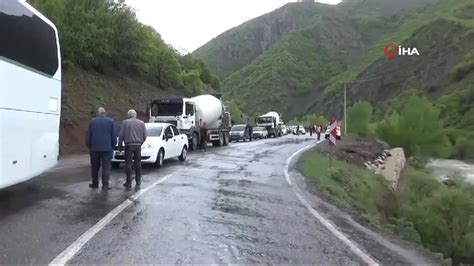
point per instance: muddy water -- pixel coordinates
(452, 168)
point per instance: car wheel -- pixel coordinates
(160, 158)
(184, 154)
(115, 165)
(194, 142)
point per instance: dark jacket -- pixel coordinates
(132, 132)
(203, 132)
(101, 135)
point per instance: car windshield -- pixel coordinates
(154, 131)
(238, 128)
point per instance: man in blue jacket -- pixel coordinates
(101, 139)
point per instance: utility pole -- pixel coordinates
(345, 110)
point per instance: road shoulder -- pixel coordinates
(380, 244)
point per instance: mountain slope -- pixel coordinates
(241, 45)
(305, 68)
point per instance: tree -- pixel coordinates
(359, 117)
(417, 128)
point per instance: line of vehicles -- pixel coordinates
(174, 128)
(29, 126)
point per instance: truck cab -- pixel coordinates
(180, 112)
(271, 121)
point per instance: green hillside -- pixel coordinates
(305, 69)
(110, 59)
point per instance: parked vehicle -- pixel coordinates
(239, 132)
(164, 142)
(272, 122)
(284, 130)
(188, 114)
(301, 130)
(30, 93)
(260, 133)
(338, 132)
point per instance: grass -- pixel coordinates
(422, 210)
(350, 185)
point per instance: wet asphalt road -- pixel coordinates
(227, 205)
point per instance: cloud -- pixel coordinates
(189, 24)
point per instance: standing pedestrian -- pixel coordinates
(203, 132)
(298, 130)
(250, 130)
(318, 131)
(310, 131)
(133, 135)
(101, 139)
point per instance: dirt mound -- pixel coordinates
(356, 149)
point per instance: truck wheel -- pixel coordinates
(194, 142)
(221, 140)
(226, 139)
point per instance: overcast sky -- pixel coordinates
(188, 24)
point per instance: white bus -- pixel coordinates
(30, 93)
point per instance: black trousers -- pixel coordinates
(204, 144)
(133, 156)
(101, 159)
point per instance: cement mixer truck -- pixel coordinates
(188, 114)
(272, 122)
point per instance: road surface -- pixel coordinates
(227, 205)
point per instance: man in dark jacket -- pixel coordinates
(101, 139)
(250, 130)
(133, 134)
(203, 132)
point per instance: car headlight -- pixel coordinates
(148, 145)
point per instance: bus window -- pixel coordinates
(27, 39)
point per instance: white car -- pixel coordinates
(260, 133)
(301, 130)
(284, 130)
(164, 141)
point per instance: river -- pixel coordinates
(443, 169)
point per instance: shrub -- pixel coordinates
(359, 117)
(417, 128)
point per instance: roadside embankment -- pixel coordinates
(84, 91)
(421, 210)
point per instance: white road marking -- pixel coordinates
(76, 246)
(332, 228)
